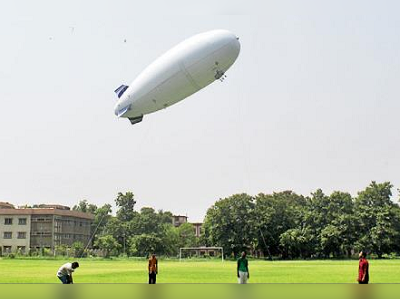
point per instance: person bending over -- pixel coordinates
(65, 272)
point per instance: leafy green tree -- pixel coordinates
(296, 243)
(77, 249)
(85, 207)
(171, 240)
(118, 230)
(275, 214)
(376, 215)
(164, 217)
(396, 226)
(91, 208)
(331, 240)
(230, 224)
(126, 206)
(332, 223)
(338, 236)
(146, 244)
(315, 219)
(108, 245)
(101, 217)
(150, 222)
(129, 224)
(61, 249)
(186, 235)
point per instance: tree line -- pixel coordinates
(135, 233)
(288, 225)
(280, 225)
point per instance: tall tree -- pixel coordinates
(316, 218)
(376, 213)
(396, 225)
(85, 207)
(296, 243)
(186, 236)
(275, 214)
(171, 240)
(108, 245)
(338, 235)
(101, 217)
(147, 223)
(126, 206)
(118, 230)
(146, 244)
(230, 224)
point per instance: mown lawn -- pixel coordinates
(172, 271)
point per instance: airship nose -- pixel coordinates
(237, 44)
(234, 47)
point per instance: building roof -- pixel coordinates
(46, 211)
(52, 206)
(6, 205)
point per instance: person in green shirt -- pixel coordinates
(243, 273)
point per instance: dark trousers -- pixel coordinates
(152, 278)
(363, 282)
(65, 279)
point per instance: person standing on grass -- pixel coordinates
(243, 273)
(153, 269)
(65, 272)
(363, 269)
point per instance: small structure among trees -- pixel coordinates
(201, 251)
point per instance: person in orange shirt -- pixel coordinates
(153, 269)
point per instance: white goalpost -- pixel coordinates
(201, 251)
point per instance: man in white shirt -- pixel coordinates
(65, 272)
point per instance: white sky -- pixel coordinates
(312, 102)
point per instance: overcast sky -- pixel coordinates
(312, 102)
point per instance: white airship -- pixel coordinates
(185, 69)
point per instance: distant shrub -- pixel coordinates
(46, 252)
(61, 250)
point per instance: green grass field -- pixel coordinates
(172, 271)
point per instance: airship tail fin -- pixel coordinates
(120, 90)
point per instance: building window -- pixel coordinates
(7, 249)
(8, 221)
(21, 249)
(57, 228)
(21, 235)
(22, 221)
(7, 235)
(41, 233)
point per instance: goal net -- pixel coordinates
(199, 252)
